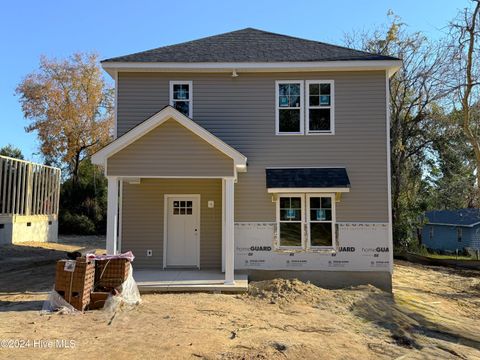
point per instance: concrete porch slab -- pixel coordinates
(152, 280)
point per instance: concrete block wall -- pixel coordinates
(19, 228)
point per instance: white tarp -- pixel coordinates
(360, 247)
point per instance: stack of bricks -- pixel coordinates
(75, 286)
(110, 274)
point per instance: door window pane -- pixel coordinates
(183, 207)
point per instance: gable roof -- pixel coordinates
(249, 46)
(462, 217)
(168, 112)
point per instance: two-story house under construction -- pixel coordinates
(253, 152)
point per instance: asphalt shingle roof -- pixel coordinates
(307, 178)
(463, 217)
(249, 45)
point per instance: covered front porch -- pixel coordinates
(171, 190)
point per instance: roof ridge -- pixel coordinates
(316, 41)
(186, 51)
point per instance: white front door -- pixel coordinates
(182, 231)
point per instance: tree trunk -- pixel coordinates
(76, 169)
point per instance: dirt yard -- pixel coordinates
(434, 313)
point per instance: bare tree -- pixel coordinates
(465, 74)
(415, 93)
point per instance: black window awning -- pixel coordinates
(322, 179)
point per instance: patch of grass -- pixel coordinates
(449, 256)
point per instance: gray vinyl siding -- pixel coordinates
(170, 150)
(241, 112)
(143, 219)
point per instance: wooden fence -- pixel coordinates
(28, 188)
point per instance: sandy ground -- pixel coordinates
(434, 313)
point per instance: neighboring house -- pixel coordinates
(449, 230)
(313, 199)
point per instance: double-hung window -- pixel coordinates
(290, 216)
(304, 107)
(320, 221)
(305, 221)
(289, 105)
(181, 97)
(319, 116)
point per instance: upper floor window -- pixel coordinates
(181, 96)
(293, 117)
(319, 116)
(289, 107)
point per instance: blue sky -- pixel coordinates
(111, 28)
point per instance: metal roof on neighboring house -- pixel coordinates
(307, 178)
(249, 45)
(461, 217)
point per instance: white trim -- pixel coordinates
(308, 190)
(389, 171)
(349, 65)
(190, 94)
(133, 178)
(100, 157)
(112, 215)
(223, 225)
(165, 224)
(459, 225)
(301, 221)
(229, 231)
(278, 108)
(120, 216)
(332, 222)
(307, 167)
(115, 107)
(331, 107)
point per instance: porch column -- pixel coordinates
(112, 215)
(229, 231)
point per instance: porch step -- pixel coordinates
(151, 281)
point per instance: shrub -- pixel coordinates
(75, 224)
